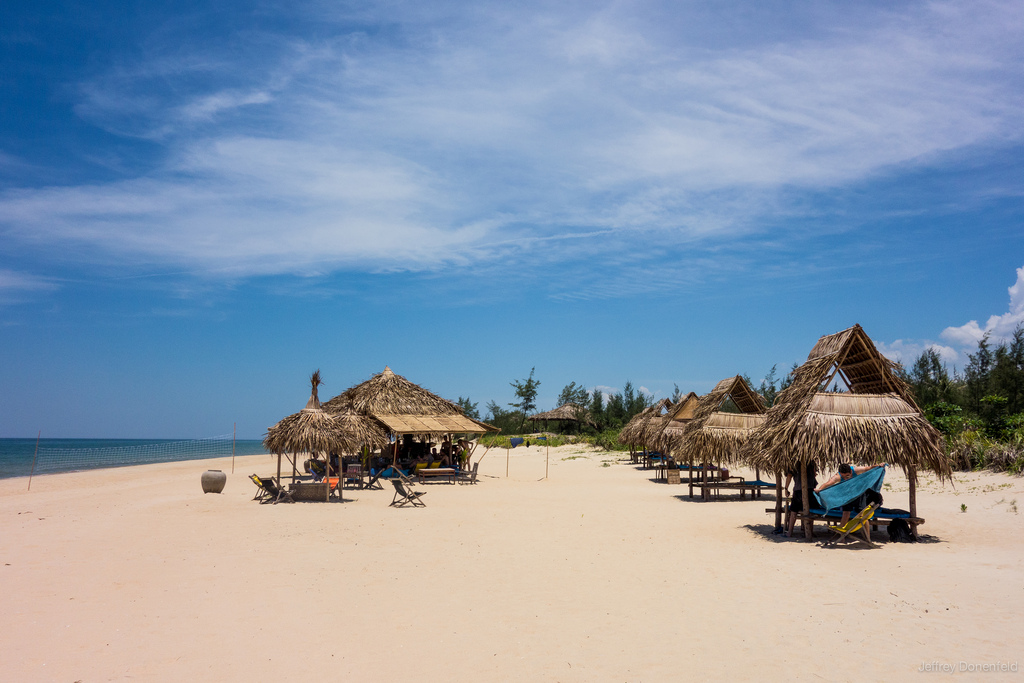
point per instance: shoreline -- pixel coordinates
(133, 572)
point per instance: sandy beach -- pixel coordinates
(595, 573)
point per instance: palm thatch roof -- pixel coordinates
(404, 407)
(662, 433)
(714, 435)
(877, 421)
(312, 429)
(569, 412)
(633, 432)
(389, 393)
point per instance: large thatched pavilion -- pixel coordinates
(405, 408)
(875, 421)
(722, 421)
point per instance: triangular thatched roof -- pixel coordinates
(876, 422)
(569, 412)
(662, 432)
(312, 429)
(404, 407)
(714, 435)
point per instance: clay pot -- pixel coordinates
(213, 481)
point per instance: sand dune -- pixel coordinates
(595, 573)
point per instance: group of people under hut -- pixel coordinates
(845, 473)
(412, 455)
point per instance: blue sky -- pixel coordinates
(199, 206)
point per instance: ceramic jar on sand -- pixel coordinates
(213, 481)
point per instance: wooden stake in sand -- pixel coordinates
(234, 430)
(34, 460)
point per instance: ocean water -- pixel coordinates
(69, 455)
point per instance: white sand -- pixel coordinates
(594, 574)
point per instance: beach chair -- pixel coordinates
(261, 490)
(275, 494)
(469, 476)
(404, 496)
(855, 524)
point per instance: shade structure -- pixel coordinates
(862, 426)
(875, 422)
(637, 431)
(405, 408)
(660, 433)
(569, 412)
(313, 429)
(713, 435)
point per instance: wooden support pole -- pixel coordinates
(912, 478)
(778, 500)
(806, 489)
(234, 431)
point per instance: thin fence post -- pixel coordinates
(36, 455)
(234, 430)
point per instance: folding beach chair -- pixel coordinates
(261, 491)
(273, 492)
(855, 524)
(405, 496)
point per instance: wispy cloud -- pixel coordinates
(454, 136)
(15, 286)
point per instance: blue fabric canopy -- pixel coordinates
(840, 494)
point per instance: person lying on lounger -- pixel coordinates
(845, 473)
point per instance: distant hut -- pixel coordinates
(570, 412)
(313, 430)
(722, 422)
(405, 408)
(875, 422)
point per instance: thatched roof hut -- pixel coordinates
(404, 407)
(314, 430)
(875, 422)
(711, 434)
(636, 431)
(569, 412)
(661, 433)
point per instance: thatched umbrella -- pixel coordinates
(313, 430)
(876, 422)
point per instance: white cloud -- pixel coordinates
(999, 327)
(907, 351)
(963, 340)
(459, 134)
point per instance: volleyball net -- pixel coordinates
(51, 460)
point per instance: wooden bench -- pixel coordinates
(833, 519)
(432, 473)
(741, 486)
